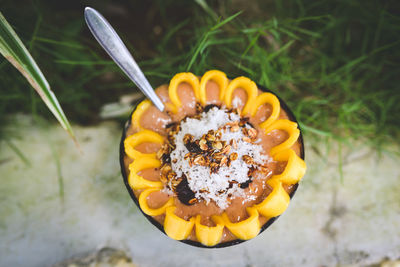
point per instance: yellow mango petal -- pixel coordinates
(276, 202)
(267, 98)
(288, 126)
(295, 167)
(208, 236)
(138, 138)
(176, 227)
(245, 229)
(248, 85)
(138, 182)
(145, 207)
(140, 109)
(187, 77)
(217, 76)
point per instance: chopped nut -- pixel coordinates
(233, 156)
(188, 155)
(217, 145)
(234, 144)
(203, 144)
(210, 137)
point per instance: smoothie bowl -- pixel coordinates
(218, 165)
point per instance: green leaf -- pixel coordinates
(12, 48)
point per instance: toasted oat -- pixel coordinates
(226, 149)
(224, 161)
(199, 160)
(234, 144)
(252, 133)
(247, 159)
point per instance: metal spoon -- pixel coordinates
(110, 41)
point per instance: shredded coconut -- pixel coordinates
(209, 185)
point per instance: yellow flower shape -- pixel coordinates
(276, 202)
(295, 167)
(267, 98)
(217, 76)
(248, 85)
(144, 136)
(187, 77)
(140, 109)
(138, 182)
(208, 236)
(290, 128)
(145, 207)
(273, 205)
(246, 229)
(176, 227)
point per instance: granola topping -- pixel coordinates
(212, 156)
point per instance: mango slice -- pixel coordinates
(138, 182)
(248, 85)
(267, 98)
(246, 229)
(217, 76)
(276, 202)
(288, 126)
(295, 167)
(176, 227)
(138, 138)
(145, 207)
(208, 236)
(187, 77)
(140, 109)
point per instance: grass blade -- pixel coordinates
(12, 48)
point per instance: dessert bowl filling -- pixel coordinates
(218, 163)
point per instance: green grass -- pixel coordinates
(336, 63)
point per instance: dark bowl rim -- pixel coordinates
(191, 242)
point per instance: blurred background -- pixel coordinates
(335, 63)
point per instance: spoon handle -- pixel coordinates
(110, 41)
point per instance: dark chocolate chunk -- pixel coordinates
(193, 147)
(245, 184)
(184, 193)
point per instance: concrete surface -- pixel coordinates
(330, 222)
